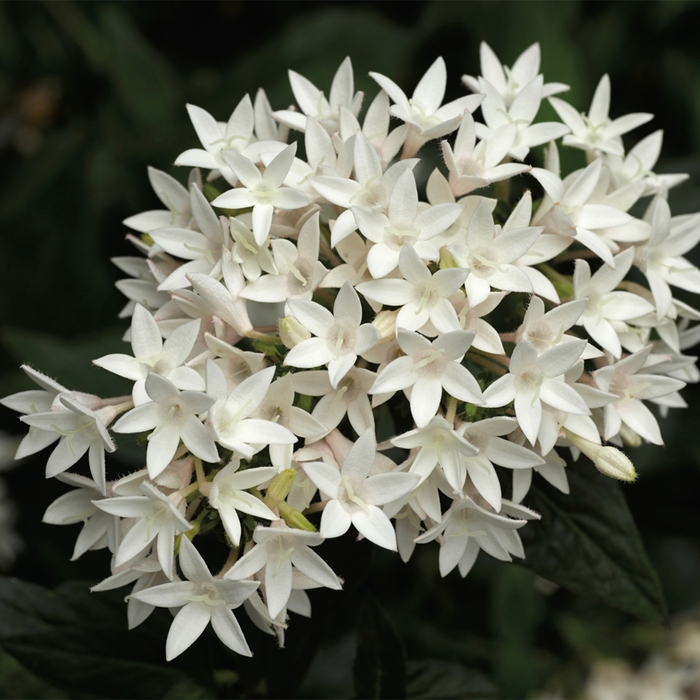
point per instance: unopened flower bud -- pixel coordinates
(385, 323)
(294, 518)
(447, 259)
(615, 463)
(292, 332)
(279, 488)
(607, 459)
(629, 437)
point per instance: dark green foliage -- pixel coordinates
(588, 542)
(430, 678)
(78, 641)
(380, 663)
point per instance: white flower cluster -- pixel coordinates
(286, 307)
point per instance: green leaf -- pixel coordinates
(145, 81)
(432, 678)
(380, 666)
(588, 542)
(517, 611)
(17, 682)
(79, 642)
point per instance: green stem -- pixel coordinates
(498, 365)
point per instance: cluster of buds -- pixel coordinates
(288, 312)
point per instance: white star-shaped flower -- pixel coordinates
(340, 337)
(428, 368)
(313, 102)
(217, 137)
(595, 131)
(403, 223)
(421, 295)
(228, 493)
(154, 516)
(533, 379)
(262, 191)
(230, 418)
(202, 599)
(277, 550)
(172, 416)
(607, 308)
(510, 81)
(152, 355)
(631, 386)
(355, 496)
(423, 110)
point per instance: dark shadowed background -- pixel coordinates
(93, 93)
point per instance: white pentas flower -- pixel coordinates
(376, 128)
(370, 188)
(77, 506)
(172, 415)
(631, 386)
(298, 269)
(606, 309)
(278, 407)
(595, 131)
(403, 223)
(510, 81)
(152, 355)
(422, 296)
(534, 379)
(173, 195)
(262, 191)
(521, 113)
(568, 210)
(423, 111)
(38, 401)
(472, 166)
(340, 337)
(217, 137)
(279, 550)
(154, 517)
(639, 164)
(485, 436)
(314, 104)
(661, 258)
(467, 528)
(428, 368)
(543, 330)
(230, 414)
(349, 398)
(355, 496)
(81, 430)
(439, 444)
(489, 253)
(229, 494)
(202, 599)
(202, 249)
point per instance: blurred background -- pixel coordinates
(93, 93)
